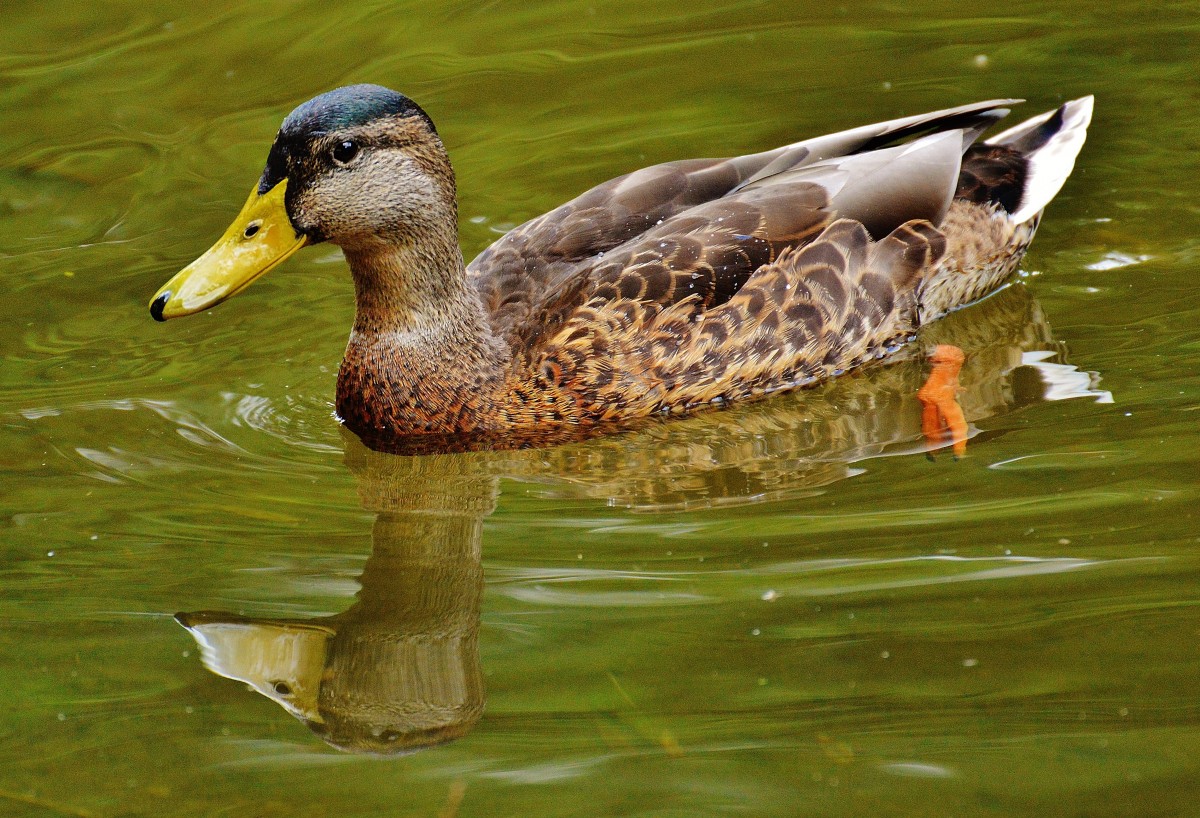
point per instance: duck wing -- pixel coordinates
(700, 228)
(814, 311)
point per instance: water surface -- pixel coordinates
(782, 609)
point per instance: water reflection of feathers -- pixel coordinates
(400, 669)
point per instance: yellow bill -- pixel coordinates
(260, 238)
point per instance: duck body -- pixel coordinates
(679, 286)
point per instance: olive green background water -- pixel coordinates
(784, 609)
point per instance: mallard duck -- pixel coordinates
(682, 285)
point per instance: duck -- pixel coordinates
(682, 286)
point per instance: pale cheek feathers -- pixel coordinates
(380, 199)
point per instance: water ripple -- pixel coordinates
(299, 420)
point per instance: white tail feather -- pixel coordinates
(1051, 162)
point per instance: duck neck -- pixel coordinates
(422, 358)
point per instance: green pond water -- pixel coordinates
(784, 609)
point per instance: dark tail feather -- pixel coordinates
(1049, 144)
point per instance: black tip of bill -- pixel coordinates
(157, 305)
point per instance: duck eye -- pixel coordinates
(343, 152)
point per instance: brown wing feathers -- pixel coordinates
(517, 275)
(514, 275)
(712, 280)
(707, 253)
(815, 311)
(811, 312)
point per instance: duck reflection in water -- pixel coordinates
(400, 669)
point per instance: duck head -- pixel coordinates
(361, 167)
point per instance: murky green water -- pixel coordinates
(784, 609)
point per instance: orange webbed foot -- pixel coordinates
(942, 419)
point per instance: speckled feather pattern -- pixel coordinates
(673, 288)
(811, 312)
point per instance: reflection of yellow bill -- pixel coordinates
(260, 237)
(282, 660)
